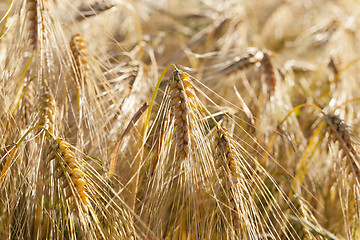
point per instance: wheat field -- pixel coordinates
(171, 119)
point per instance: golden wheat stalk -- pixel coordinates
(131, 124)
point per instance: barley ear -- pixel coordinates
(341, 134)
(79, 51)
(182, 93)
(71, 173)
(47, 111)
(269, 71)
(32, 17)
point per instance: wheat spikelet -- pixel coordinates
(182, 93)
(341, 134)
(44, 20)
(78, 49)
(70, 171)
(348, 174)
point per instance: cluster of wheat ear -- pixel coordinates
(179, 119)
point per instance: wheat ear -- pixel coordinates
(231, 174)
(269, 70)
(33, 22)
(244, 187)
(69, 170)
(342, 135)
(47, 111)
(182, 93)
(38, 18)
(240, 63)
(79, 51)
